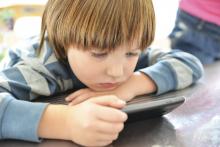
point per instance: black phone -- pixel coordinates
(143, 109)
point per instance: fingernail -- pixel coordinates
(125, 116)
(121, 102)
(67, 98)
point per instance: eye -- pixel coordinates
(99, 55)
(132, 54)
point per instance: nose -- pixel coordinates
(116, 70)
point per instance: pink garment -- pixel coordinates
(208, 10)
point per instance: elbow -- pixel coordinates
(198, 70)
(199, 73)
(196, 67)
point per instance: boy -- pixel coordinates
(92, 45)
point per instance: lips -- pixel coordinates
(108, 85)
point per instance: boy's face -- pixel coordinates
(102, 70)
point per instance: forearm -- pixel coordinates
(142, 84)
(138, 84)
(52, 124)
(25, 116)
(170, 70)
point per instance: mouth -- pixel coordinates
(108, 85)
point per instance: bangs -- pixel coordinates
(102, 24)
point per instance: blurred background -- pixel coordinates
(21, 18)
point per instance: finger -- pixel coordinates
(98, 139)
(109, 128)
(110, 101)
(108, 137)
(75, 94)
(80, 99)
(103, 143)
(113, 115)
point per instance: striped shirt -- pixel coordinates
(24, 77)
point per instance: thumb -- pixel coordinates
(109, 100)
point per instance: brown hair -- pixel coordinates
(103, 24)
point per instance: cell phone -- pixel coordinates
(143, 109)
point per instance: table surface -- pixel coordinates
(194, 123)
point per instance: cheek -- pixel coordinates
(86, 72)
(130, 66)
(81, 70)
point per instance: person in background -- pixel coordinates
(99, 50)
(197, 29)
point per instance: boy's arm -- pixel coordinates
(85, 124)
(19, 119)
(170, 70)
(25, 81)
(24, 78)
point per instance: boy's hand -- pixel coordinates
(86, 93)
(96, 122)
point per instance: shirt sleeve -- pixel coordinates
(170, 70)
(25, 78)
(19, 85)
(19, 119)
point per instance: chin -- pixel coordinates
(99, 89)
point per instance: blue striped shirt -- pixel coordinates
(24, 77)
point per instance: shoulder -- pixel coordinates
(28, 50)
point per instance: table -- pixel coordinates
(195, 123)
